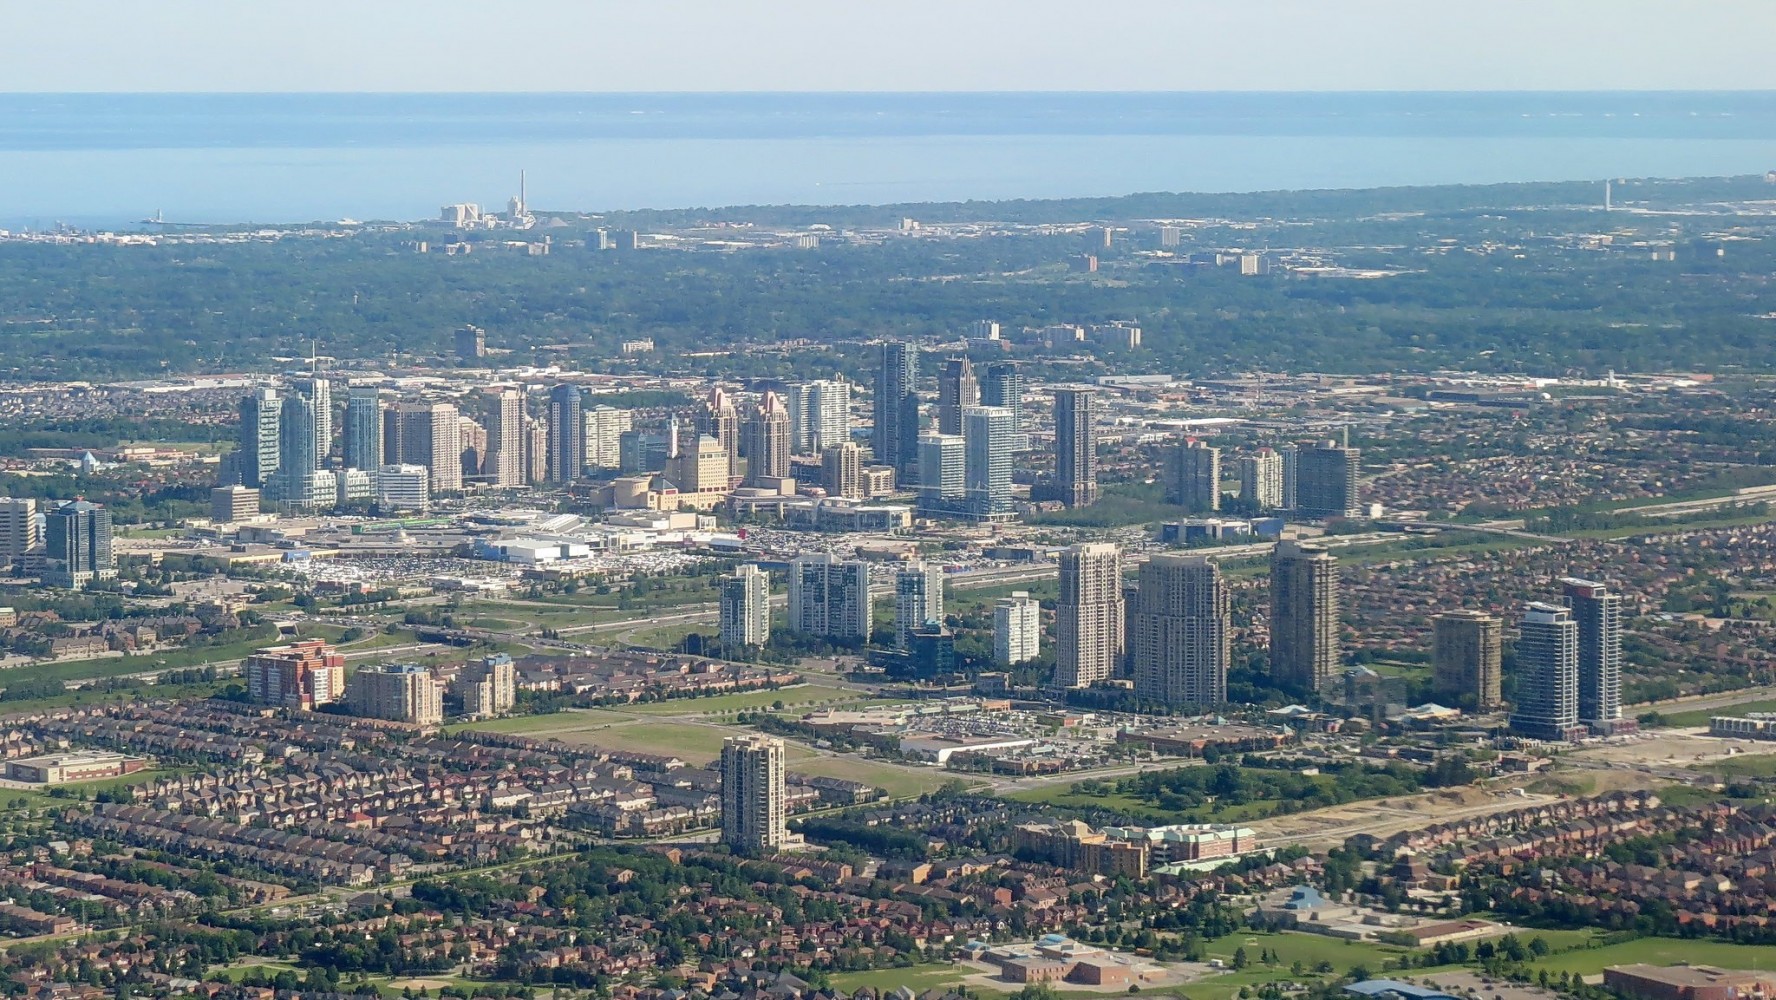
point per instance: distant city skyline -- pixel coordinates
(914, 45)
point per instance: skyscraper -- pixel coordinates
(362, 442)
(320, 396)
(259, 414)
(829, 597)
(536, 451)
(18, 529)
(746, 608)
(918, 600)
(77, 545)
(604, 435)
(429, 437)
(506, 426)
(987, 459)
(1004, 386)
(1076, 446)
(471, 343)
(896, 434)
(1303, 616)
(1261, 480)
(752, 794)
(567, 451)
(473, 439)
(1089, 615)
(942, 473)
(1326, 481)
(1193, 477)
(294, 483)
(768, 441)
(957, 389)
(1179, 632)
(819, 415)
(1291, 454)
(1547, 690)
(841, 470)
(1598, 613)
(1465, 657)
(720, 420)
(1017, 629)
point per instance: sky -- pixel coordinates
(885, 45)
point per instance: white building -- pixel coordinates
(1017, 629)
(746, 607)
(403, 488)
(829, 597)
(604, 433)
(918, 600)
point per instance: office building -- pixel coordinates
(1598, 613)
(918, 601)
(1303, 617)
(841, 470)
(259, 429)
(1261, 480)
(746, 608)
(957, 390)
(942, 474)
(987, 460)
(1003, 385)
(1179, 632)
(488, 686)
(471, 343)
(753, 794)
(819, 415)
(1326, 481)
(1467, 649)
(767, 442)
(1193, 477)
(303, 675)
(402, 489)
(399, 692)
(567, 451)
(895, 437)
(229, 504)
(507, 423)
(77, 544)
(19, 530)
(829, 597)
(1017, 629)
(1076, 446)
(1546, 692)
(604, 436)
(1089, 615)
(427, 435)
(720, 420)
(361, 442)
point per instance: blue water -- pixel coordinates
(93, 159)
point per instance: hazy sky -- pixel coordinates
(659, 45)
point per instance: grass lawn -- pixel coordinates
(1064, 797)
(170, 659)
(896, 780)
(919, 978)
(1658, 951)
(77, 790)
(1700, 716)
(696, 744)
(1290, 947)
(742, 701)
(1744, 766)
(543, 725)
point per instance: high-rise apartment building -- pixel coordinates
(829, 597)
(719, 419)
(1467, 649)
(77, 544)
(428, 435)
(1193, 477)
(895, 437)
(294, 486)
(1291, 454)
(536, 451)
(752, 790)
(1076, 446)
(987, 460)
(319, 393)
(506, 427)
(819, 415)
(19, 531)
(489, 686)
(604, 436)
(1017, 629)
(1303, 616)
(304, 675)
(957, 390)
(400, 692)
(1326, 481)
(841, 470)
(567, 451)
(942, 476)
(1598, 613)
(1089, 615)
(259, 431)
(1261, 480)
(918, 601)
(471, 343)
(746, 608)
(361, 441)
(767, 441)
(1546, 697)
(1179, 632)
(1003, 385)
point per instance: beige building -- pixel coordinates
(1193, 477)
(1089, 615)
(700, 472)
(841, 470)
(752, 794)
(1466, 656)
(489, 686)
(1303, 616)
(1179, 629)
(402, 692)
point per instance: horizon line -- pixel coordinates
(880, 93)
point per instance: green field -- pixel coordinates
(1064, 797)
(742, 701)
(1658, 951)
(117, 666)
(1744, 766)
(1700, 717)
(919, 978)
(543, 725)
(896, 780)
